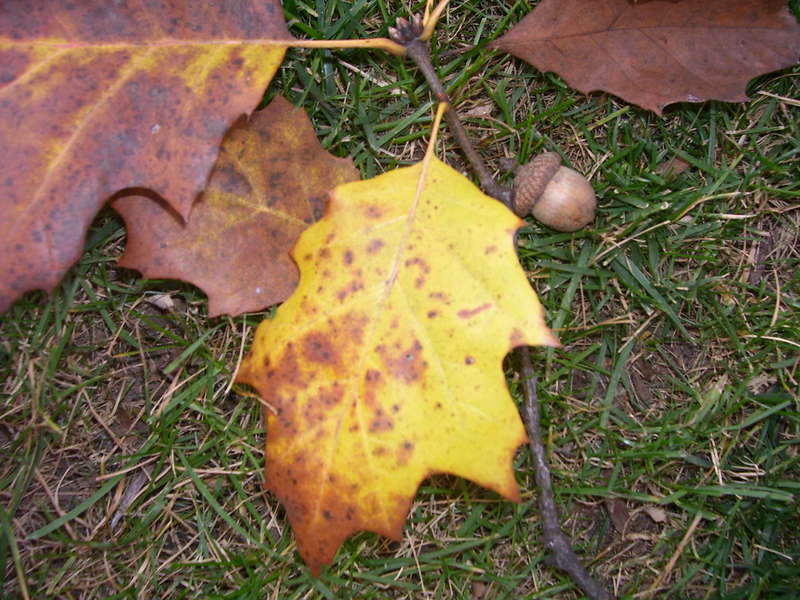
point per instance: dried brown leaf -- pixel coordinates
(656, 53)
(98, 97)
(270, 182)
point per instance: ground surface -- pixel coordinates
(130, 468)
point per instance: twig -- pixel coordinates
(408, 33)
(563, 556)
(417, 50)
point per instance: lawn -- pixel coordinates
(132, 467)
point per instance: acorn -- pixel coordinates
(556, 196)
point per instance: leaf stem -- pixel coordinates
(431, 19)
(375, 43)
(564, 556)
(437, 121)
(417, 50)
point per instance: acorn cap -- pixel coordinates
(531, 179)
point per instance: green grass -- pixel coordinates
(674, 396)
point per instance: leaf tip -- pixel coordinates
(550, 339)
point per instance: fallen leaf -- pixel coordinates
(656, 53)
(133, 488)
(483, 109)
(757, 259)
(761, 383)
(385, 365)
(270, 182)
(618, 512)
(98, 97)
(162, 301)
(672, 168)
(657, 514)
(479, 590)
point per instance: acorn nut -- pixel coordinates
(556, 196)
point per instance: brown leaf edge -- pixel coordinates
(270, 182)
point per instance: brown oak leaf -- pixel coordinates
(657, 52)
(269, 183)
(97, 97)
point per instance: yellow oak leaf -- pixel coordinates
(385, 366)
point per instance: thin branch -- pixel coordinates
(408, 33)
(417, 50)
(563, 556)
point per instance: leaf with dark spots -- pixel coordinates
(375, 245)
(468, 313)
(380, 422)
(101, 97)
(440, 296)
(265, 188)
(418, 262)
(653, 55)
(404, 453)
(318, 348)
(349, 289)
(404, 365)
(373, 211)
(399, 355)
